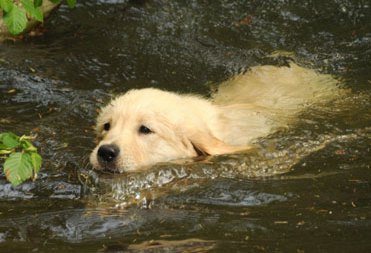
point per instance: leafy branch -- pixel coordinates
(16, 13)
(22, 160)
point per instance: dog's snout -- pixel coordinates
(108, 153)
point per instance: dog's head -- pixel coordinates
(147, 126)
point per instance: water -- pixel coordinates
(304, 189)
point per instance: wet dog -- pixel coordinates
(148, 126)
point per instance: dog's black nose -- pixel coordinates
(108, 153)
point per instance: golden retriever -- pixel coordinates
(148, 126)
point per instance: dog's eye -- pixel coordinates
(106, 126)
(144, 130)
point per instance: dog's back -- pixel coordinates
(269, 97)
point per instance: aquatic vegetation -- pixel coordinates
(16, 14)
(22, 161)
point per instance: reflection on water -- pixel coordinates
(303, 189)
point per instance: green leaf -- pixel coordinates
(4, 134)
(32, 11)
(6, 5)
(15, 20)
(55, 1)
(18, 168)
(27, 145)
(9, 140)
(2, 146)
(36, 162)
(71, 3)
(5, 151)
(37, 3)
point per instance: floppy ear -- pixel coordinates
(206, 143)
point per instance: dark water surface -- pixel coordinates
(305, 189)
